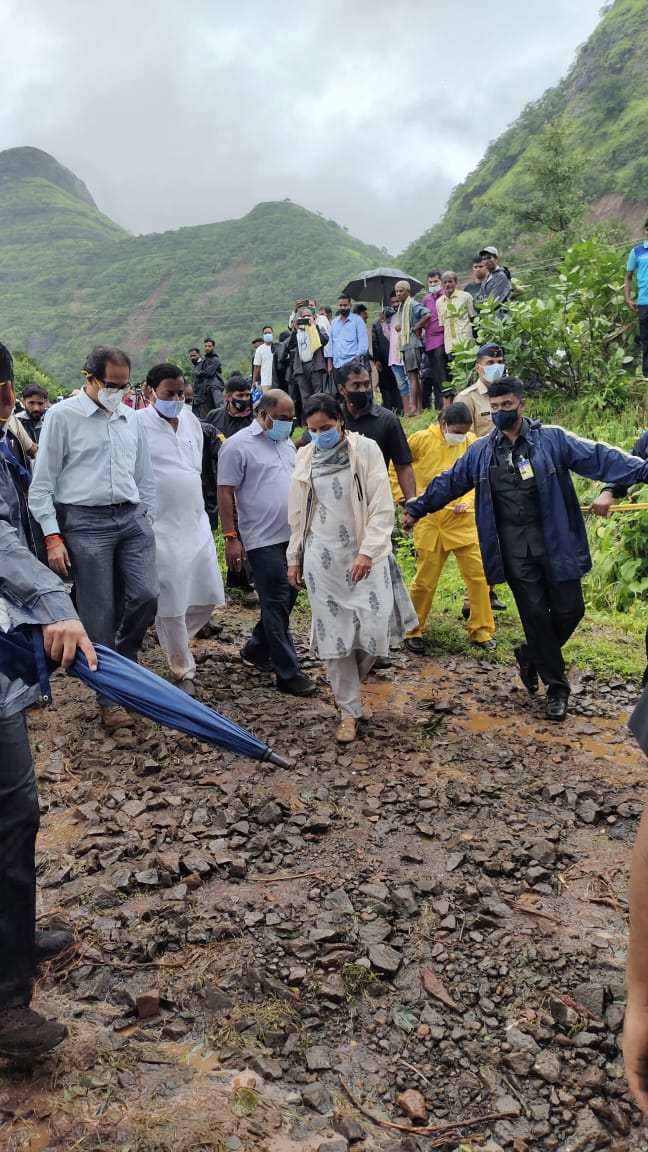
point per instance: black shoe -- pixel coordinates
(496, 604)
(556, 707)
(251, 599)
(298, 685)
(50, 943)
(24, 1034)
(208, 630)
(415, 644)
(187, 686)
(263, 663)
(527, 670)
(381, 662)
(465, 608)
(485, 645)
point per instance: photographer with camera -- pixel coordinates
(306, 346)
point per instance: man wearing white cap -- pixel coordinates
(497, 284)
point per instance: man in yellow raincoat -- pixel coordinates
(453, 529)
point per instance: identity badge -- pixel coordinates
(525, 469)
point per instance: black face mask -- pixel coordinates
(242, 406)
(360, 400)
(344, 311)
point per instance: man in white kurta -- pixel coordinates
(190, 581)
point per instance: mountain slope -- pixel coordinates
(606, 95)
(69, 277)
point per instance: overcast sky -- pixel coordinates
(180, 112)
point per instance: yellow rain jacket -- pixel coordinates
(431, 455)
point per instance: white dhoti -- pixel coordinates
(191, 585)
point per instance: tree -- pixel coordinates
(550, 198)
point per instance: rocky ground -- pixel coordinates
(413, 942)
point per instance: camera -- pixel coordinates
(302, 321)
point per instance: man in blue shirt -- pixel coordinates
(638, 262)
(349, 339)
(93, 495)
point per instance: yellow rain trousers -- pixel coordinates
(443, 532)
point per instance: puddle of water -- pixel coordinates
(480, 722)
(198, 1057)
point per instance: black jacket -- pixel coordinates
(379, 344)
(212, 441)
(207, 378)
(319, 356)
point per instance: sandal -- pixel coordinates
(346, 730)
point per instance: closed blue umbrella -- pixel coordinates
(135, 688)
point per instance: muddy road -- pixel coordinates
(416, 941)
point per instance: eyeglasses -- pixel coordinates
(111, 386)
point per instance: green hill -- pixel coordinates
(70, 277)
(605, 96)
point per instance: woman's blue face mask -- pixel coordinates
(327, 439)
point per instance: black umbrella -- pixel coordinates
(378, 284)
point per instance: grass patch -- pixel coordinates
(608, 644)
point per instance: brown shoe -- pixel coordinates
(113, 717)
(346, 730)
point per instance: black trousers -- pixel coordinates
(434, 376)
(19, 820)
(643, 336)
(271, 636)
(391, 397)
(549, 613)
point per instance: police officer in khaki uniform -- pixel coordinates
(490, 368)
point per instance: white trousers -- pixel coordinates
(346, 674)
(174, 634)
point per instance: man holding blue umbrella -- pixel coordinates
(30, 594)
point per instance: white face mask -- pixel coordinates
(455, 437)
(111, 400)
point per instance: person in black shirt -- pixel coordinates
(376, 422)
(530, 525)
(207, 381)
(236, 411)
(233, 415)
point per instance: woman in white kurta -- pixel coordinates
(190, 581)
(341, 517)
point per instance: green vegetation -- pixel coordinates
(70, 278)
(604, 99)
(576, 339)
(28, 371)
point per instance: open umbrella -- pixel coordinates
(135, 688)
(378, 284)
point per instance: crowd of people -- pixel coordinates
(109, 501)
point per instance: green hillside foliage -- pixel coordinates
(71, 278)
(578, 339)
(28, 371)
(604, 99)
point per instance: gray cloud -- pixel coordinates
(186, 113)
